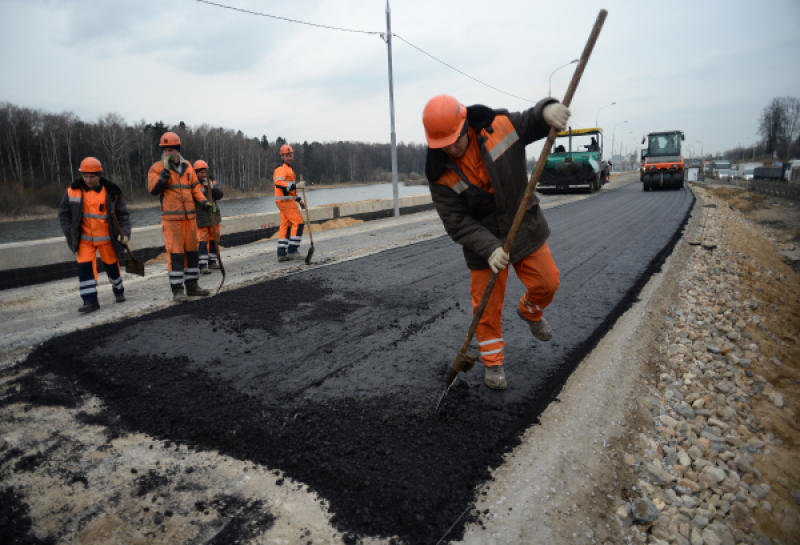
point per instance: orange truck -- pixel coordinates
(663, 165)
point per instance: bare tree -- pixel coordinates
(779, 125)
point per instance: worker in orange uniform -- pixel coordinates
(174, 181)
(477, 176)
(208, 220)
(84, 214)
(291, 229)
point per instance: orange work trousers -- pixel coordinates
(204, 234)
(291, 230)
(539, 274)
(180, 237)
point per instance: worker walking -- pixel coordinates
(84, 214)
(477, 176)
(174, 181)
(287, 201)
(208, 220)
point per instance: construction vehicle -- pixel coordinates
(663, 165)
(576, 162)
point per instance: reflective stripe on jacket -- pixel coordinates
(285, 188)
(479, 220)
(179, 193)
(94, 226)
(71, 213)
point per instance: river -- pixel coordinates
(49, 227)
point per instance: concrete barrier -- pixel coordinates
(34, 261)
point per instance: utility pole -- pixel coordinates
(388, 39)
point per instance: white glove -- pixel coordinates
(300, 185)
(498, 260)
(556, 115)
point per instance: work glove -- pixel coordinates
(556, 115)
(164, 176)
(207, 205)
(300, 185)
(498, 260)
(122, 239)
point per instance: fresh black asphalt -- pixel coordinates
(331, 375)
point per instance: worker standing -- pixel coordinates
(84, 214)
(291, 230)
(208, 220)
(174, 181)
(476, 172)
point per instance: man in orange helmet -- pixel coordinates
(208, 220)
(286, 199)
(476, 172)
(84, 214)
(174, 181)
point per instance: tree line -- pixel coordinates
(40, 153)
(779, 128)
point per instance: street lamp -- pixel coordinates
(597, 115)
(613, 134)
(701, 148)
(549, 86)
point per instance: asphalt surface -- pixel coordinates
(332, 374)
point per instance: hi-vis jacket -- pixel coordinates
(477, 219)
(285, 189)
(178, 193)
(94, 223)
(204, 215)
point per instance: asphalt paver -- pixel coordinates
(331, 375)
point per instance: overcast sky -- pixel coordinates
(708, 68)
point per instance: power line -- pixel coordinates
(287, 19)
(369, 32)
(451, 67)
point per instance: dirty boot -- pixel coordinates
(177, 294)
(284, 258)
(541, 329)
(193, 290)
(119, 297)
(88, 307)
(205, 269)
(495, 377)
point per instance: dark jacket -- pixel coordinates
(204, 214)
(70, 215)
(477, 219)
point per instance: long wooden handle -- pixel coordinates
(308, 217)
(535, 176)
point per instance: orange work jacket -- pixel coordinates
(285, 190)
(94, 217)
(179, 193)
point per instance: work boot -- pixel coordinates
(205, 269)
(541, 329)
(86, 308)
(282, 258)
(295, 255)
(177, 294)
(119, 297)
(494, 377)
(213, 265)
(193, 290)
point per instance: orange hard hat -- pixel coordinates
(91, 165)
(170, 140)
(443, 118)
(286, 148)
(200, 165)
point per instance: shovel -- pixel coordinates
(464, 361)
(132, 266)
(310, 236)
